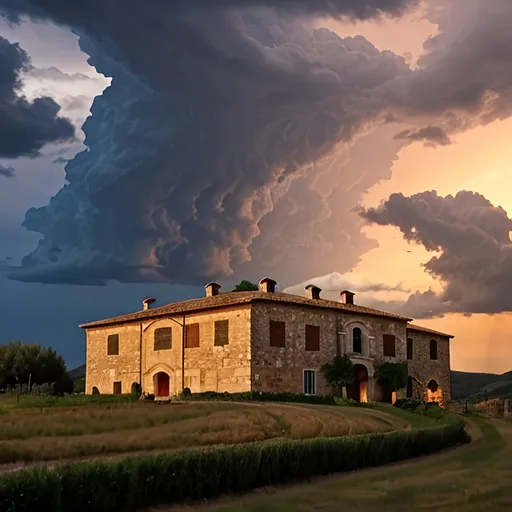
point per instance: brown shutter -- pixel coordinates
(277, 334)
(163, 338)
(409, 348)
(117, 388)
(389, 345)
(113, 345)
(192, 336)
(312, 337)
(221, 333)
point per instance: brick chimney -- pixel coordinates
(267, 285)
(312, 292)
(347, 297)
(146, 303)
(212, 289)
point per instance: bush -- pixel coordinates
(409, 404)
(136, 389)
(130, 484)
(261, 396)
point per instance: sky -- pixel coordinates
(324, 142)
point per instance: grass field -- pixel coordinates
(57, 433)
(472, 478)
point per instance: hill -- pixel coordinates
(473, 385)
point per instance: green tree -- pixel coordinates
(28, 363)
(246, 286)
(393, 376)
(340, 373)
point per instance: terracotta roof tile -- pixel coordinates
(238, 298)
(414, 327)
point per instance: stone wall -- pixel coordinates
(282, 369)
(423, 369)
(103, 370)
(207, 367)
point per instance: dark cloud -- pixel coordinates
(432, 136)
(185, 158)
(7, 171)
(471, 237)
(214, 117)
(25, 127)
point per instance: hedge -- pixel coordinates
(130, 484)
(261, 396)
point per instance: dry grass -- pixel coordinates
(46, 434)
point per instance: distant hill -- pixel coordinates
(474, 386)
(77, 373)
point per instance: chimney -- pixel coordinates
(312, 292)
(267, 285)
(212, 289)
(347, 297)
(146, 303)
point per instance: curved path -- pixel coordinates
(475, 477)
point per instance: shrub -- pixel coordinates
(136, 389)
(261, 396)
(130, 484)
(95, 391)
(409, 404)
(187, 392)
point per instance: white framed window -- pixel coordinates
(309, 382)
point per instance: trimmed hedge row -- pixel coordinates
(130, 484)
(260, 396)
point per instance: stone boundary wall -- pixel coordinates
(495, 408)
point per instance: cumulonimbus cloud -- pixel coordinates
(25, 126)
(212, 119)
(471, 239)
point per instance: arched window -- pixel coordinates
(433, 349)
(357, 340)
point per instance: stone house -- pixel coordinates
(261, 340)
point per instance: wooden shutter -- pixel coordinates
(117, 388)
(389, 345)
(113, 345)
(221, 333)
(277, 334)
(192, 336)
(163, 338)
(312, 337)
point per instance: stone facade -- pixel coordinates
(423, 369)
(244, 358)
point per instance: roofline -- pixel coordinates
(104, 323)
(426, 330)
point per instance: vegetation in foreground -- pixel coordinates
(49, 433)
(131, 484)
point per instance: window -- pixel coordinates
(433, 349)
(389, 345)
(117, 388)
(192, 336)
(113, 345)
(312, 338)
(277, 334)
(357, 340)
(409, 348)
(163, 338)
(309, 382)
(221, 333)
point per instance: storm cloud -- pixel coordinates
(6, 171)
(215, 115)
(25, 127)
(471, 239)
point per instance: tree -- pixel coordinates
(393, 376)
(340, 373)
(246, 286)
(27, 364)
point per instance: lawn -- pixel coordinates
(67, 432)
(472, 478)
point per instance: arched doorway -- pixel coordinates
(434, 392)
(358, 391)
(161, 384)
(409, 387)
